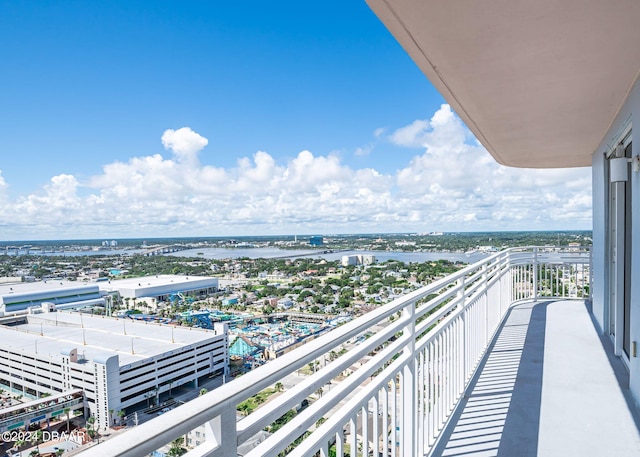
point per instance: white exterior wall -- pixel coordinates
(101, 379)
(630, 110)
(368, 259)
(349, 260)
(41, 373)
(600, 255)
(107, 385)
(151, 377)
(147, 289)
(18, 301)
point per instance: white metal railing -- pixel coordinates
(387, 382)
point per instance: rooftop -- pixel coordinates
(41, 286)
(98, 337)
(158, 280)
(157, 284)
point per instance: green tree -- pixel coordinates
(90, 424)
(176, 449)
(35, 439)
(67, 411)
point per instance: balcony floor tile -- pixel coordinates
(559, 391)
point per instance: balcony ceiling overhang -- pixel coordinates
(538, 82)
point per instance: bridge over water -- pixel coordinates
(166, 249)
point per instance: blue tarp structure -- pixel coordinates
(242, 347)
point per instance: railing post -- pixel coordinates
(485, 280)
(464, 343)
(409, 384)
(222, 434)
(510, 292)
(590, 274)
(535, 274)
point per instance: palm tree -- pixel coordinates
(121, 415)
(18, 444)
(35, 439)
(279, 386)
(90, 422)
(176, 448)
(67, 411)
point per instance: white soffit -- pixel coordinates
(538, 82)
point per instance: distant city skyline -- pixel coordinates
(299, 238)
(194, 119)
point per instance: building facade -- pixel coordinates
(161, 287)
(616, 246)
(117, 363)
(20, 296)
(358, 259)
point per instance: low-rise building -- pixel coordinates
(19, 296)
(118, 363)
(161, 287)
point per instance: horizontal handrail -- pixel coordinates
(426, 355)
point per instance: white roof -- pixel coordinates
(41, 286)
(157, 280)
(157, 285)
(55, 332)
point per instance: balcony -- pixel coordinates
(547, 386)
(500, 358)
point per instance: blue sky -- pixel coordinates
(194, 118)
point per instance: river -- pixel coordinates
(381, 256)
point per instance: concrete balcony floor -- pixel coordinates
(548, 386)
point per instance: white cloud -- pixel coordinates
(452, 185)
(185, 144)
(411, 135)
(364, 150)
(3, 187)
(458, 184)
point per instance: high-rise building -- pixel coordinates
(316, 241)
